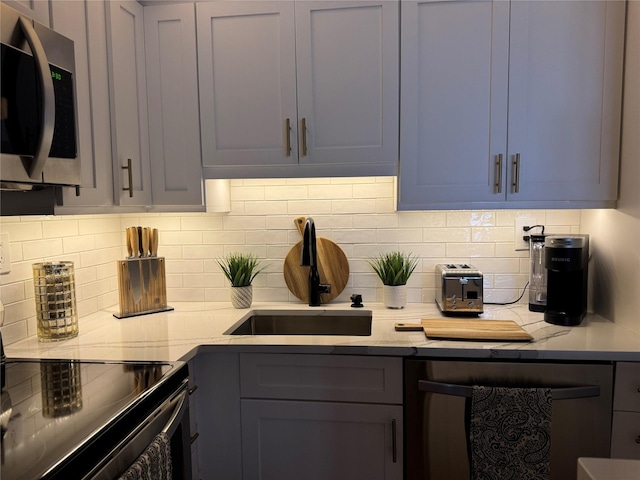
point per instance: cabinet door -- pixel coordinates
(172, 95)
(453, 102)
(565, 79)
(76, 19)
(36, 9)
(246, 62)
(128, 85)
(315, 440)
(347, 57)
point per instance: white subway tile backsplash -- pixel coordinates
(446, 235)
(198, 223)
(65, 228)
(492, 234)
(470, 250)
(78, 243)
(21, 232)
(355, 207)
(356, 213)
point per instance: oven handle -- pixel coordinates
(567, 393)
(176, 417)
(48, 113)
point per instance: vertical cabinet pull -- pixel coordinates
(287, 132)
(498, 174)
(303, 127)
(516, 174)
(394, 440)
(130, 175)
(193, 438)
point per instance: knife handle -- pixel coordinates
(154, 242)
(135, 242)
(128, 240)
(145, 242)
(140, 250)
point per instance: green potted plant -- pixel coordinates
(240, 269)
(394, 269)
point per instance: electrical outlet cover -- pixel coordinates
(522, 221)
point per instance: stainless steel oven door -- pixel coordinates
(172, 418)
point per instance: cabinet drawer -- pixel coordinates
(627, 387)
(625, 435)
(321, 377)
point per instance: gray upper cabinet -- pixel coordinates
(298, 88)
(129, 121)
(172, 94)
(510, 104)
(154, 106)
(76, 19)
(36, 9)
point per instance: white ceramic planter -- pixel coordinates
(394, 296)
(241, 297)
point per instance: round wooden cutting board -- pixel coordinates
(333, 268)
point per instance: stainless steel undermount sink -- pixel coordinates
(320, 322)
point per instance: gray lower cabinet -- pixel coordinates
(295, 416)
(284, 439)
(510, 104)
(625, 428)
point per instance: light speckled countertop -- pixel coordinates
(199, 326)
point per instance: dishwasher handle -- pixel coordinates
(561, 393)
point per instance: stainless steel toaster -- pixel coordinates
(459, 289)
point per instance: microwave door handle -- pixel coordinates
(569, 393)
(48, 113)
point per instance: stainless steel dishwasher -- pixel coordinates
(437, 391)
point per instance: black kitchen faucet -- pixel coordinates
(309, 258)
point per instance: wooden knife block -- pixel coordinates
(142, 286)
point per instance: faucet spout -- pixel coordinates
(309, 257)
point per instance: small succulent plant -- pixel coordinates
(394, 268)
(240, 268)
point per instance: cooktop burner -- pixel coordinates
(53, 410)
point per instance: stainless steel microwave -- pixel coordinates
(38, 105)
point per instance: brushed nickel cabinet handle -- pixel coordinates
(394, 440)
(516, 174)
(193, 438)
(130, 174)
(498, 175)
(193, 389)
(303, 127)
(287, 131)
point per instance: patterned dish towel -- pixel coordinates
(154, 463)
(510, 433)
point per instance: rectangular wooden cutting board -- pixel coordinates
(474, 329)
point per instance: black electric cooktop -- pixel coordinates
(60, 416)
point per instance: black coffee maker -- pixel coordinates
(566, 259)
